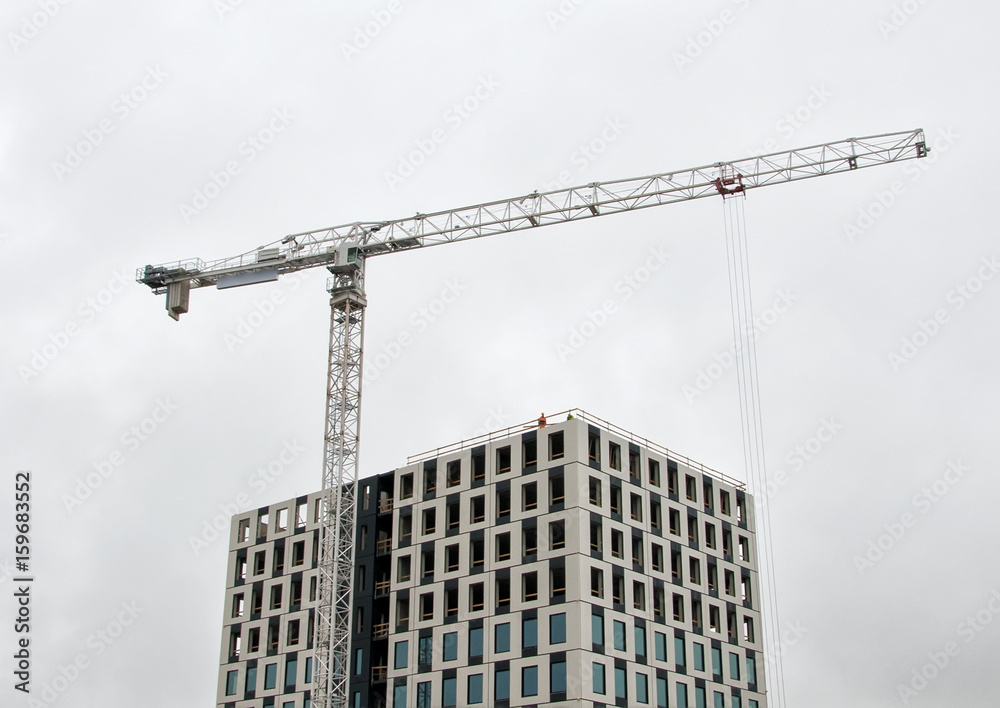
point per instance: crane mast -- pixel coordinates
(344, 251)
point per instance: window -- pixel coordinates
(694, 566)
(734, 666)
(741, 514)
(557, 535)
(529, 632)
(501, 688)
(744, 549)
(717, 662)
(655, 515)
(427, 606)
(475, 688)
(619, 635)
(714, 621)
(405, 527)
(425, 650)
(291, 669)
(597, 629)
(452, 514)
(618, 589)
(231, 678)
(642, 688)
(292, 635)
(595, 491)
(529, 538)
(279, 553)
(475, 642)
(748, 629)
(478, 509)
(678, 607)
(529, 496)
(251, 682)
(401, 656)
(476, 597)
(241, 568)
(503, 503)
(692, 530)
(671, 477)
(682, 695)
(270, 676)
(556, 445)
(621, 683)
(451, 557)
(556, 490)
(243, 531)
(479, 466)
(675, 522)
(298, 553)
(594, 448)
(690, 488)
(262, 525)
(637, 555)
(751, 670)
(638, 595)
(503, 546)
(453, 476)
(724, 503)
(238, 605)
(634, 465)
(614, 456)
(596, 536)
(429, 520)
(275, 597)
(427, 563)
(557, 628)
(399, 695)
(727, 543)
(557, 677)
(529, 452)
(501, 638)
(679, 657)
(449, 692)
(699, 697)
(557, 582)
(708, 495)
(660, 646)
(529, 586)
(259, 562)
(406, 486)
(710, 535)
(654, 473)
(254, 639)
(617, 544)
(450, 647)
(640, 641)
(281, 520)
(424, 694)
(451, 602)
(745, 588)
(661, 692)
(430, 480)
(730, 582)
(657, 557)
(402, 611)
(597, 672)
(719, 700)
(616, 500)
(529, 681)
(658, 601)
(503, 459)
(597, 582)
(699, 656)
(478, 551)
(403, 569)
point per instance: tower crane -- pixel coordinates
(344, 251)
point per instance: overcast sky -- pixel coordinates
(135, 133)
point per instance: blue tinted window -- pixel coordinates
(501, 637)
(476, 641)
(425, 650)
(449, 692)
(251, 684)
(557, 676)
(682, 695)
(451, 646)
(716, 661)
(359, 662)
(641, 688)
(751, 670)
(699, 697)
(399, 696)
(597, 629)
(502, 688)
(640, 641)
(424, 694)
(598, 674)
(557, 628)
(402, 655)
(621, 685)
(737, 702)
(529, 633)
(309, 671)
(291, 668)
(231, 679)
(679, 652)
(619, 635)
(720, 700)
(734, 667)
(529, 681)
(661, 693)
(699, 657)
(660, 639)
(270, 676)
(475, 688)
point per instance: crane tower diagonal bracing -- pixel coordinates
(344, 250)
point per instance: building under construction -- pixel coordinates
(562, 564)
